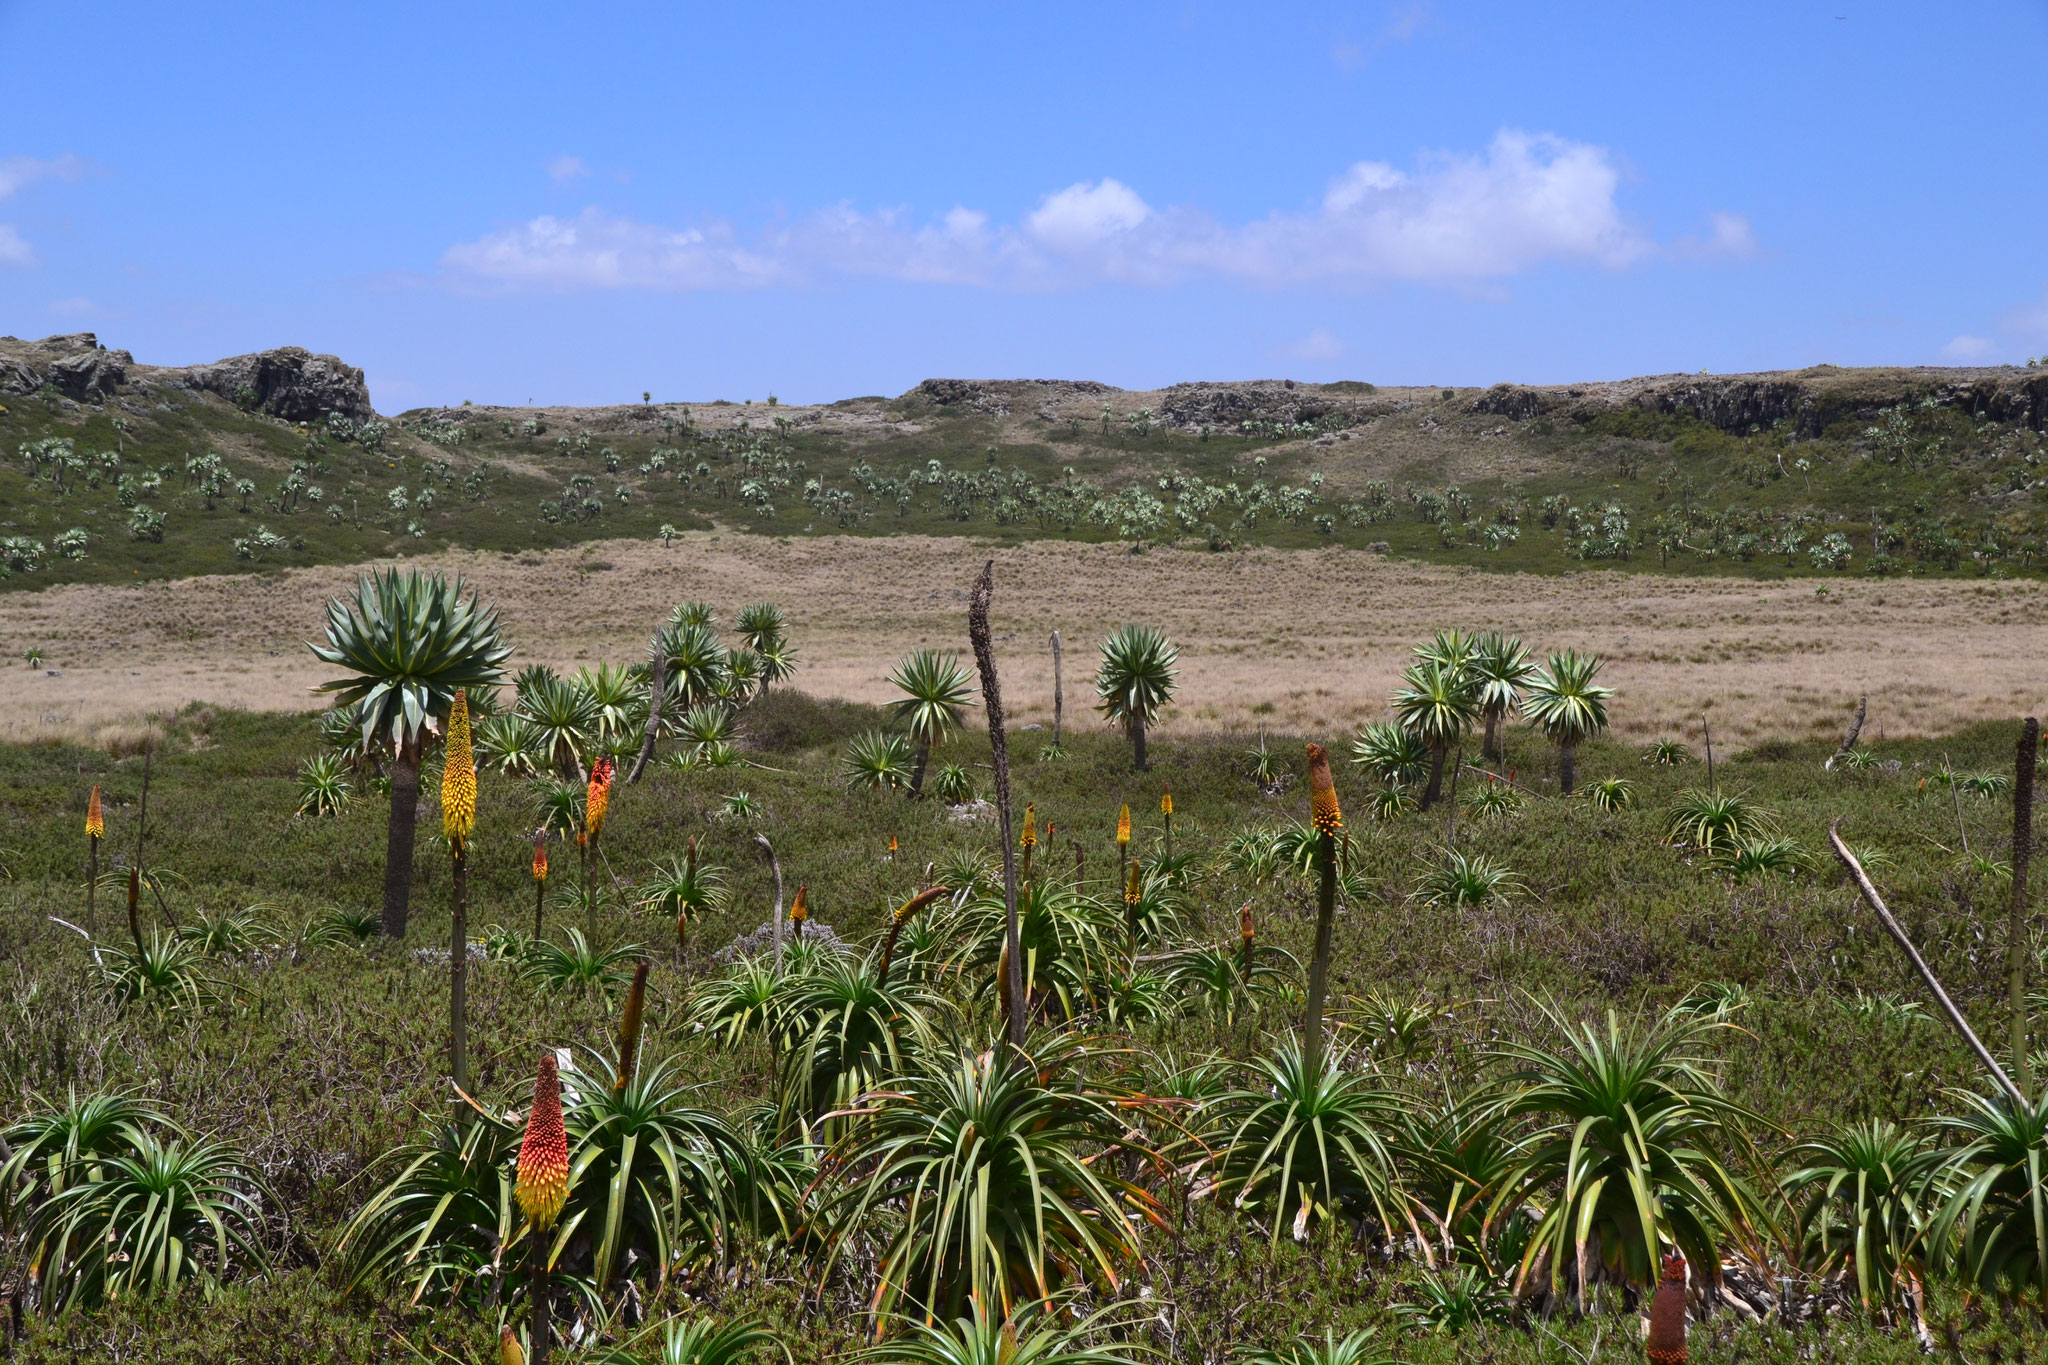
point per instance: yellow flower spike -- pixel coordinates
(1123, 826)
(1030, 836)
(1244, 922)
(95, 822)
(1166, 803)
(800, 908)
(458, 777)
(1134, 890)
(1324, 813)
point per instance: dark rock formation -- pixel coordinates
(289, 382)
(1263, 400)
(1513, 401)
(90, 375)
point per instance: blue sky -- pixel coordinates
(576, 203)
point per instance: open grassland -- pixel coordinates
(1296, 640)
(317, 1060)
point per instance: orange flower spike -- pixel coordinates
(1244, 922)
(543, 1184)
(800, 908)
(1123, 825)
(1322, 788)
(1134, 887)
(1030, 836)
(892, 845)
(540, 858)
(458, 777)
(95, 822)
(600, 798)
(1166, 803)
(1666, 1343)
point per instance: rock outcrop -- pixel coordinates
(1808, 401)
(289, 382)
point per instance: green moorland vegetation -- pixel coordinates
(1562, 1032)
(164, 481)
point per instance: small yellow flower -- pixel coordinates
(1166, 803)
(1123, 825)
(1134, 889)
(95, 823)
(1030, 837)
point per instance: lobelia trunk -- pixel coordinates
(659, 685)
(1435, 788)
(1567, 765)
(924, 758)
(1489, 747)
(405, 811)
(1138, 740)
(458, 972)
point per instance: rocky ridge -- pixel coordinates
(289, 382)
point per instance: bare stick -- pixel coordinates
(1708, 728)
(775, 866)
(1948, 1006)
(142, 816)
(2016, 929)
(1474, 767)
(1856, 725)
(1059, 695)
(999, 750)
(1955, 796)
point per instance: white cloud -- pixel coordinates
(1967, 349)
(1528, 200)
(14, 248)
(564, 169)
(19, 172)
(1080, 216)
(1321, 344)
(595, 251)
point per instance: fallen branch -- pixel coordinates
(1474, 767)
(1948, 1006)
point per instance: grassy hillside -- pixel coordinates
(316, 1060)
(1904, 477)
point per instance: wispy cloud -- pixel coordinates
(564, 170)
(1321, 344)
(1967, 349)
(1528, 200)
(17, 173)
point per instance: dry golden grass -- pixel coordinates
(1306, 641)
